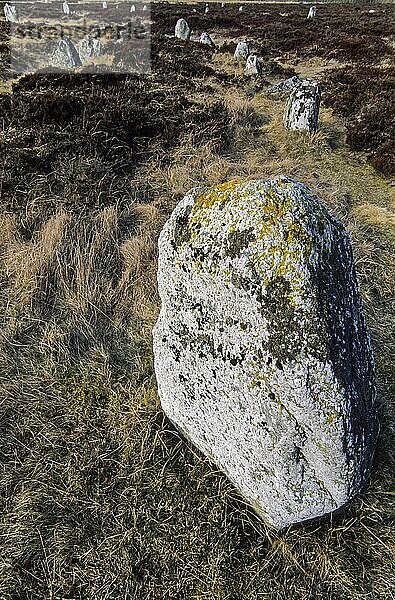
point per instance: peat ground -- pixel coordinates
(100, 496)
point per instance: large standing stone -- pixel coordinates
(10, 13)
(205, 38)
(65, 55)
(66, 8)
(262, 355)
(182, 30)
(242, 52)
(89, 48)
(303, 106)
(253, 66)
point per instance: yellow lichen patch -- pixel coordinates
(219, 194)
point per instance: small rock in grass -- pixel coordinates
(242, 52)
(205, 38)
(253, 66)
(182, 30)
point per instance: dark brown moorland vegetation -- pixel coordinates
(100, 496)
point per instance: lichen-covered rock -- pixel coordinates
(303, 106)
(10, 13)
(65, 55)
(242, 52)
(205, 38)
(283, 89)
(253, 66)
(312, 12)
(182, 30)
(262, 355)
(89, 48)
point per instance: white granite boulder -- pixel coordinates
(65, 55)
(242, 52)
(182, 30)
(253, 66)
(262, 354)
(303, 106)
(205, 38)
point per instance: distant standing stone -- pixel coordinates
(105, 4)
(206, 9)
(132, 8)
(262, 355)
(10, 13)
(312, 12)
(145, 7)
(303, 106)
(205, 38)
(242, 52)
(65, 55)
(66, 8)
(240, 9)
(182, 30)
(89, 48)
(253, 66)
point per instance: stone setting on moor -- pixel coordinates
(262, 355)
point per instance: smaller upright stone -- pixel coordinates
(89, 48)
(105, 4)
(302, 106)
(206, 9)
(182, 30)
(133, 8)
(312, 12)
(242, 52)
(222, 4)
(205, 38)
(240, 9)
(145, 7)
(66, 8)
(10, 13)
(253, 66)
(65, 55)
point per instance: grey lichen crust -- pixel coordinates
(262, 355)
